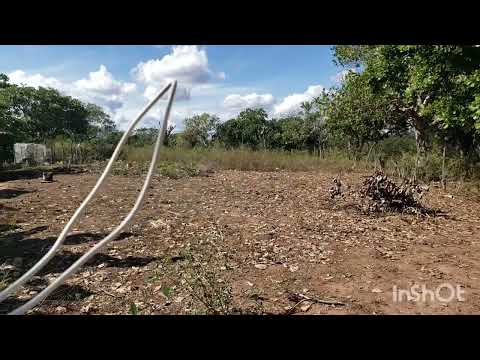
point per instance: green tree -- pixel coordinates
(315, 115)
(250, 128)
(4, 81)
(99, 122)
(357, 116)
(290, 133)
(143, 136)
(199, 129)
(169, 139)
(428, 84)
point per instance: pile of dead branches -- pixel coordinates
(378, 194)
(381, 194)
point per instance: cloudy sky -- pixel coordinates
(217, 79)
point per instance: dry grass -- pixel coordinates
(243, 159)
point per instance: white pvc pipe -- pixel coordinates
(40, 264)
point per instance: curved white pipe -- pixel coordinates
(40, 264)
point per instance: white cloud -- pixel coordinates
(124, 116)
(182, 93)
(291, 104)
(235, 101)
(100, 87)
(187, 64)
(103, 83)
(20, 77)
(123, 102)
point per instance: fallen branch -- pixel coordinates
(106, 292)
(300, 298)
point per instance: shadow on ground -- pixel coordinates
(25, 251)
(5, 208)
(19, 248)
(63, 260)
(25, 174)
(19, 244)
(11, 193)
(62, 296)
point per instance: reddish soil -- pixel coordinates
(253, 237)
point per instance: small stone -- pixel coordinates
(376, 290)
(61, 309)
(86, 309)
(261, 266)
(305, 307)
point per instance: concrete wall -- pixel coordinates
(30, 153)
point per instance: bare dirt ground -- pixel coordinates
(237, 242)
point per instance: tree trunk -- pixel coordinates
(420, 128)
(419, 125)
(444, 180)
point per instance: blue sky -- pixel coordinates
(221, 79)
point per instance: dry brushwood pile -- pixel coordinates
(383, 194)
(378, 194)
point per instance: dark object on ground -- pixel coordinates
(47, 176)
(206, 169)
(336, 189)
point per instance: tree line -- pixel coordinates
(41, 115)
(427, 93)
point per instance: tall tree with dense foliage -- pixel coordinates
(356, 115)
(250, 128)
(100, 123)
(314, 113)
(199, 129)
(36, 115)
(428, 84)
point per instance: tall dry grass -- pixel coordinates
(245, 159)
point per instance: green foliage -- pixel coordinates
(357, 116)
(290, 133)
(142, 137)
(65, 150)
(99, 123)
(435, 86)
(174, 170)
(250, 128)
(167, 291)
(199, 129)
(28, 114)
(134, 310)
